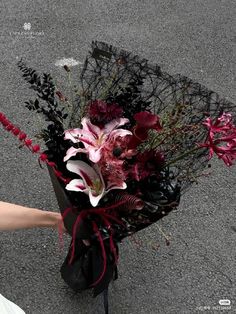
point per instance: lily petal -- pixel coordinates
(120, 132)
(94, 199)
(115, 124)
(79, 135)
(113, 186)
(94, 154)
(70, 153)
(71, 134)
(91, 128)
(87, 173)
(76, 185)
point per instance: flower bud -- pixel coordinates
(16, 131)
(43, 157)
(28, 142)
(35, 148)
(22, 136)
(66, 68)
(9, 127)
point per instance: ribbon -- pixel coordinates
(106, 220)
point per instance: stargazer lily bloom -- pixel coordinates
(91, 181)
(94, 137)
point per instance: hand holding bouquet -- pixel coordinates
(121, 152)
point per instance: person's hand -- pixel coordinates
(58, 222)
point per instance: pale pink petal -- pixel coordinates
(70, 153)
(94, 154)
(120, 132)
(91, 128)
(72, 134)
(76, 185)
(87, 173)
(115, 124)
(112, 186)
(94, 199)
(79, 135)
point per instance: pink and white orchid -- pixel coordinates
(94, 137)
(92, 182)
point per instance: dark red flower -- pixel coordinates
(101, 112)
(147, 163)
(147, 120)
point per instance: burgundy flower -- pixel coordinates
(101, 113)
(145, 121)
(147, 163)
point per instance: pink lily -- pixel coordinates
(92, 182)
(94, 137)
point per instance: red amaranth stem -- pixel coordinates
(111, 242)
(35, 149)
(100, 239)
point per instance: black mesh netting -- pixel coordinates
(117, 75)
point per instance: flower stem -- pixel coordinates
(182, 156)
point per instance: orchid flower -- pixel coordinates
(91, 181)
(94, 137)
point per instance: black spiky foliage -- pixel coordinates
(47, 105)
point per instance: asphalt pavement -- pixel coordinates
(196, 38)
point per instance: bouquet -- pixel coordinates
(121, 150)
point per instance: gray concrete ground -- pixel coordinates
(196, 38)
